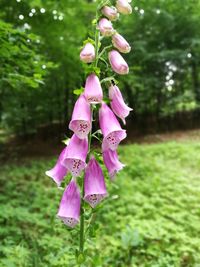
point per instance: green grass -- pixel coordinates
(150, 219)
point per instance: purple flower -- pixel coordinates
(69, 210)
(110, 127)
(124, 7)
(117, 103)
(94, 184)
(87, 54)
(105, 27)
(93, 91)
(75, 155)
(120, 43)
(112, 162)
(110, 12)
(80, 122)
(117, 63)
(59, 171)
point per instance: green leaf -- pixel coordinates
(78, 91)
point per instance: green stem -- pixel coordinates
(104, 50)
(82, 220)
(97, 35)
(81, 244)
(108, 79)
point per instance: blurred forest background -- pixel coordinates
(151, 216)
(40, 65)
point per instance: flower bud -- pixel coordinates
(87, 54)
(110, 12)
(117, 63)
(124, 7)
(105, 27)
(120, 43)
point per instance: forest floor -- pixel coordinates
(12, 148)
(151, 217)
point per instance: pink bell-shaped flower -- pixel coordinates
(105, 27)
(110, 12)
(93, 91)
(80, 122)
(69, 210)
(124, 7)
(58, 172)
(120, 43)
(110, 127)
(87, 54)
(117, 63)
(94, 184)
(112, 162)
(117, 103)
(75, 155)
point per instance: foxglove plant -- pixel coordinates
(79, 159)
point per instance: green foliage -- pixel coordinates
(20, 65)
(150, 219)
(165, 59)
(21, 70)
(52, 48)
(164, 63)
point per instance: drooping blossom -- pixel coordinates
(80, 122)
(75, 155)
(87, 54)
(105, 27)
(110, 127)
(69, 210)
(93, 91)
(110, 12)
(94, 184)
(58, 172)
(120, 43)
(117, 63)
(117, 103)
(112, 162)
(124, 7)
